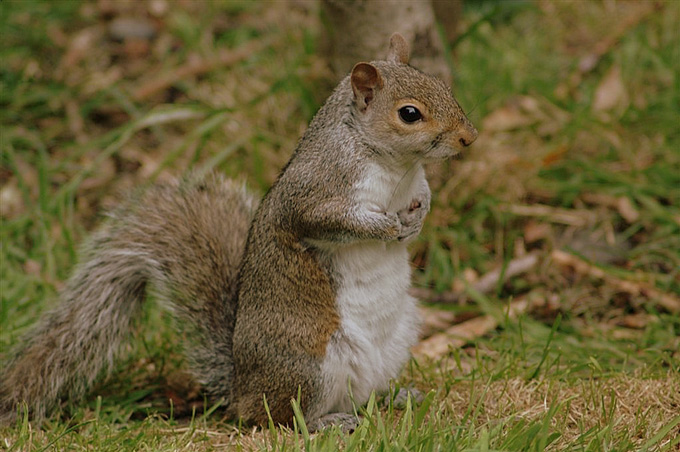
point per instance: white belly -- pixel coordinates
(379, 322)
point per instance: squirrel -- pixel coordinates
(302, 295)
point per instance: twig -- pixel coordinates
(571, 217)
(485, 284)
(225, 57)
(669, 302)
(458, 335)
(489, 281)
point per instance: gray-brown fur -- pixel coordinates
(282, 329)
(260, 320)
(186, 242)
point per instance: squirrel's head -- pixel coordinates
(405, 112)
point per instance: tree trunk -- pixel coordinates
(359, 30)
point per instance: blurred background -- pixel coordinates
(573, 187)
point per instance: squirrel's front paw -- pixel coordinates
(393, 226)
(412, 219)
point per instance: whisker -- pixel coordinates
(468, 113)
(403, 177)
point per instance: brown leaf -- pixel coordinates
(507, 117)
(626, 209)
(122, 28)
(635, 321)
(524, 111)
(457, 336)
(435, 320)
(136, 48)
(555, 156)
(535, 231)
(668, 301)
(485, 284)
(158, 8)
(32, 267)
(611, 93)
(438, 345)
(11, 201)
(82, 44)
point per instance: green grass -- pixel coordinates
(588, 367)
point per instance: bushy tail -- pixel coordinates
(186, 241)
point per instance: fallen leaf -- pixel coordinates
(32, 267)
(81, 44)
(438, 345)
(668, 301)
(458, 335)
(435, 320)
(123, 28)
(635, 321)
(611, 93)
(158, 8)
(626, 209)
(11, 201)
(485, 284)
(136, 48)
(524, 111)
(535, 231)
(508, 117)
(555, 156)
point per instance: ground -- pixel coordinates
(549, 266)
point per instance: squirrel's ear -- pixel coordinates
(366, 81)
(398, 49)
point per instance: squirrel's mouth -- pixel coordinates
(443, 151)
(443, 147)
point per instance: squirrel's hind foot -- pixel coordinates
(345, 421)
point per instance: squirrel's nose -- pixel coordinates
(468, 135)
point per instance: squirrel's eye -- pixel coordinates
(410, 114)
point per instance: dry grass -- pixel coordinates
(633, 406)
(577, 163)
